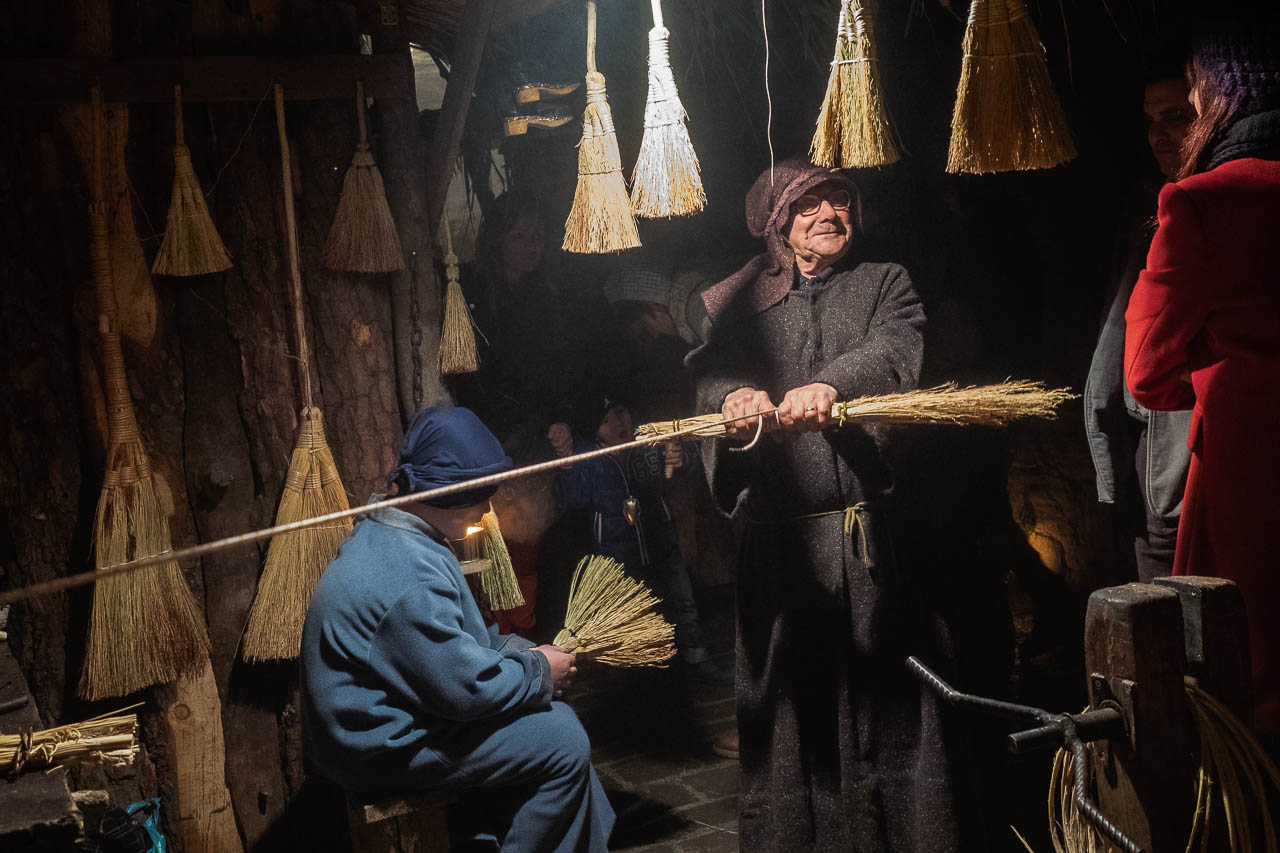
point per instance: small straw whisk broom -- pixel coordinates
(613, 618)
(146, 628)
(191, 244)
(295, 561)
(666, 180)
(600, 220)
(498, 581)
(458, 353)
(1007, 116)
(853, 130)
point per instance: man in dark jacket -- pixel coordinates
(840, 748)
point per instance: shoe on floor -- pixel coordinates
(725, 744)
(711, 672)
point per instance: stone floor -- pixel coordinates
(651, 743)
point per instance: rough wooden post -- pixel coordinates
(1134, 657)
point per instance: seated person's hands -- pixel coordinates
(561, 439)
(563, 667)
(746, 401)
(672, 456)
(807, 408)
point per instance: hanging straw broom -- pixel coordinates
(295, 561)
(144, 629)
(363, 236)
(499, 580)
(111, 738)
(852, 128)
(1007, 116)
(191, 244)
(666, 179)
(457, 338)
(985, 405)
(600, 220)
(613, 618)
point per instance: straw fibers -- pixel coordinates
(613, 618)
(111, 738)
(499, 581)
(1007, 116)
(853, 130)
(666, 180)
(984, 405)
(458, 353)
(295, 561)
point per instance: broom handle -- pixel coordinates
(291, 227)
(177, 115)
(591, 36)
(360, 119)
(657, 14)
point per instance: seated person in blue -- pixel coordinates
(404, 687)
(631, 522)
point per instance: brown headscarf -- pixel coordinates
(768, 276)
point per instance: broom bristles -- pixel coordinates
(191, 243)
(145, 628)
(1007, 115)
(499, 581)
(458, 352)
(982, 405)
(600, 220)
(613, 618)
(853, 130)
(666, 180)
(363, 236)
(295, 561)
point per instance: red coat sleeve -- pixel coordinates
(1168, 307)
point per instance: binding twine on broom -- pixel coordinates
(1007, 116)
(666, 180)
(498, 581)
(613, 618)
(852, 128)
(457, 338)
(600, 220)
(144, 629)
(191, 244)
(363, 236)
(295, 561)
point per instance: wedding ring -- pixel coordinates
(812, 409)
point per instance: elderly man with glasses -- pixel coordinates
(839, 749)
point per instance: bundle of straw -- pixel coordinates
(312, 487)
(1007, 116)
(613, 618)
(145, 628)
(110, 737)
(666, 179)
(600, 220)
(983, 405)
(499, 580)
(191, 244)
(457, 338)
(852, 128)
(363, 236)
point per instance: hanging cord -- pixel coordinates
(291, 226)
(768, 124)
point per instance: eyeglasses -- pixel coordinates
(809, 204)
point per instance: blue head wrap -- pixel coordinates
(446, 445)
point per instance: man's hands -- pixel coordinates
(803, 409)
(561, 439)
(807, 408)
(563, 667)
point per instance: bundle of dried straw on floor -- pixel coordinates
(1007, 116)
(852, 128)
(613, 618)
(110, 737)
(982, 405)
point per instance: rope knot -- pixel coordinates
(595, 85)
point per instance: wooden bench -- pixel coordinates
(408, 822)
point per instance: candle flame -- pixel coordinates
(474, 529)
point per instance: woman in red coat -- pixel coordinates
(1203, 330)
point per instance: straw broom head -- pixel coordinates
(295, 561)
(457, 338)
(984, 405)
(853, 130)
(499, 580)
(1007, 116)
(111, 738)
(613, 618)
(666, 180)
(191, 244)
(600, 220)
(363, 236)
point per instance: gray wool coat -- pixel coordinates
(840, 749)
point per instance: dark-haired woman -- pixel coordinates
(1205, 316)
